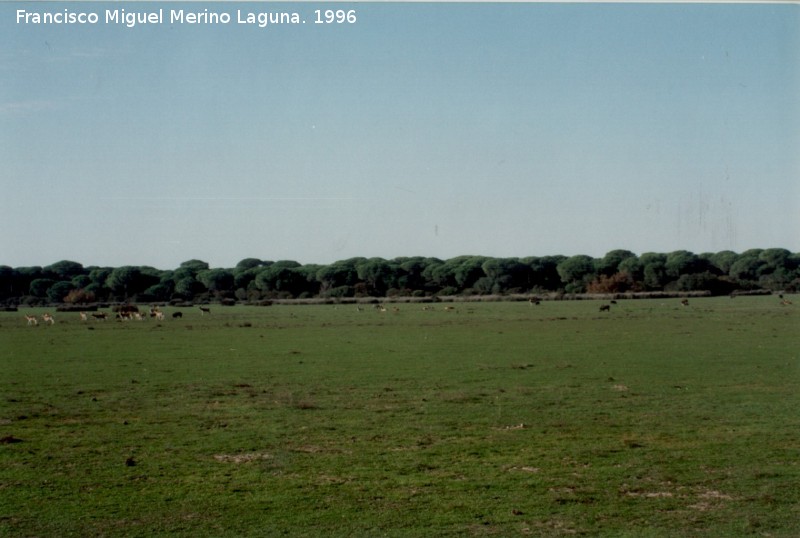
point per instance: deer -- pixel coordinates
(204, 310)
(31, 320)
(605, 308)
(47, 318)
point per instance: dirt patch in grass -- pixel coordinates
(242, 458)
(706, 499)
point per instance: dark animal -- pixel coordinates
(613, 302)
(177, 315)
(605, 308)
(204, 310)
(685, 302)
(100, 315)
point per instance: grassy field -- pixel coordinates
(503, 419)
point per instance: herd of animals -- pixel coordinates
(132, 312)
(124, 313)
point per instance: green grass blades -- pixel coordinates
(652, 419)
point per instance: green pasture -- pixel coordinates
(494, 419)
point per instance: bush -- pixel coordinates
(80, 296)
(32, 300)
(793, 286)
(704, 281)
(401, 292)
(574, 287)
(361, 290)
(447, 290)
(341, 291)
(616, 283)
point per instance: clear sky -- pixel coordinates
(430, 129)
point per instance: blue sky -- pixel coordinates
(430, 129)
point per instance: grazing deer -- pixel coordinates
(204, 310)
(176, 315)
(47, 318)
(32, 320)
(100, 315)
(83, 316)
(605, 308)
(533, 301)
(786, 302)
(449, 308)
(685, 302)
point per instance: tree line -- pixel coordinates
(254, 280)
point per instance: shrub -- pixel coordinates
(80, 296)
(574, 287)
(341, 291)
(616, 283)
(704, 281)
(398, 292)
